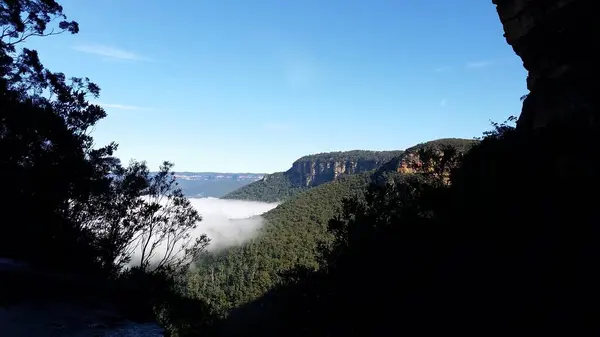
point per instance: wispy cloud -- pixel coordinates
(478, 64)
(110, 52)
(443, 102)
(276, 126)
(443, 69)
(300, 70)
(118, 106)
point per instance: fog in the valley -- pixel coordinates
(229, 222)
(226, 222)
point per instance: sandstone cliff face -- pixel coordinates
(407, 163)
(320, 168)
(411, 162)
(316, 172)
(310, 171)
(438, 157)
(316, 169)
(556, 40)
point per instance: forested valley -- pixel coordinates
(479, 237)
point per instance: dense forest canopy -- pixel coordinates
(294, 235)
(289, 238)
(460, 144)
(353, 156)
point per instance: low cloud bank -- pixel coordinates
(226, 222)
(229, 222)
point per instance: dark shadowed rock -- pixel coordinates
(556, 39)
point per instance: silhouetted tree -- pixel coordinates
(144, 212)
(167, 220)
(71, 205)
(80, 193)
(21, 19)
(45, 146)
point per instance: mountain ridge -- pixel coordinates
(310, 171)
(315, 169)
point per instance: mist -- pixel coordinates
(229, 222)
(226, 222)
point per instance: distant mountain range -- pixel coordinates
(213, 184)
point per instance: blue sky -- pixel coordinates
(250, 86)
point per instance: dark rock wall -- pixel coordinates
(556, 40)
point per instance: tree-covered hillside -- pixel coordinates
(460, 144)
(492, 251)
(353, 155)
(289, 239)
(272, 188)
(294, 236)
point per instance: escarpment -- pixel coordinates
(556, 40)
(311, 171)
(426, 158)
(321, 168)
(317, 169)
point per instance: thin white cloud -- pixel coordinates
(443, 102)
(118, 106)
(110, 52)
(276, 126)
(443, 69)
(478, 64)
(300, 70)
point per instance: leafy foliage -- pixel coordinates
(167, 219)
(21, 19)
(45, 146)
(146, 212)
(73, 207)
